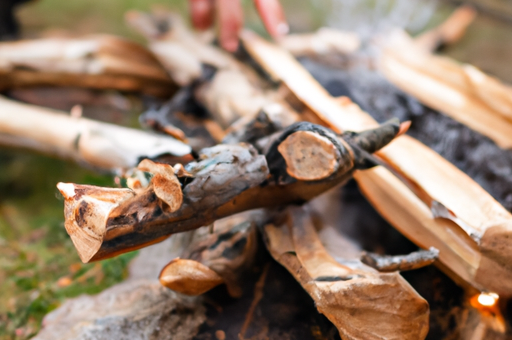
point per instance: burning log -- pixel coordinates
(99, 62)
(96, 144)
(362, 303)
(213, 258)
(477, 261)
(227, 179)
(462, 92)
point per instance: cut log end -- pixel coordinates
(189, 277)
(86, 210)
(309, 156)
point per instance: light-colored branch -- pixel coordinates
(429, 177)
(96, 144)
(450, 31)
(460, 91)
(99, 62)
(361, 303)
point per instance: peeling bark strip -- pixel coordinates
(226, 179)
(484, 264)
(100, 62)
(97, 144)
(347, 297)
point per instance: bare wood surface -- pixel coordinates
(348, 297)
(96, 144)
(99, 62)
(426, 172)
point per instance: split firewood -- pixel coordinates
(99, 62)
(449, 32)
(461, 91)
(232, 91)
(213, 258)
(95, 144)
(325, 41)
(348, 297)
(181, 51)
(226, 179)
(472, 237)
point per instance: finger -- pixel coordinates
(272, 15)
(202, 13)
(230, 16)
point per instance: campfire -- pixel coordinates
(249, 165)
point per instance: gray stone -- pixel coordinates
(136, 309)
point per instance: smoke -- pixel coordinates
(371, 17)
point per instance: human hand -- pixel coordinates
(229, 13)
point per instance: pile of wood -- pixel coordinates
(244, 146)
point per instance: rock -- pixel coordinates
(135, 309)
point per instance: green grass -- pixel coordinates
(35, 251)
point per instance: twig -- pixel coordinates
(387, 263)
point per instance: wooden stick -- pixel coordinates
(96, 144)
(462, 92)
(478, 262)
(227, 179)
(100, 62)
(348, 297)
(449, 32)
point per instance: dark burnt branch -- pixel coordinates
(386, 263)
(227, 179)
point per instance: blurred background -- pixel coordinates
(39, 267)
